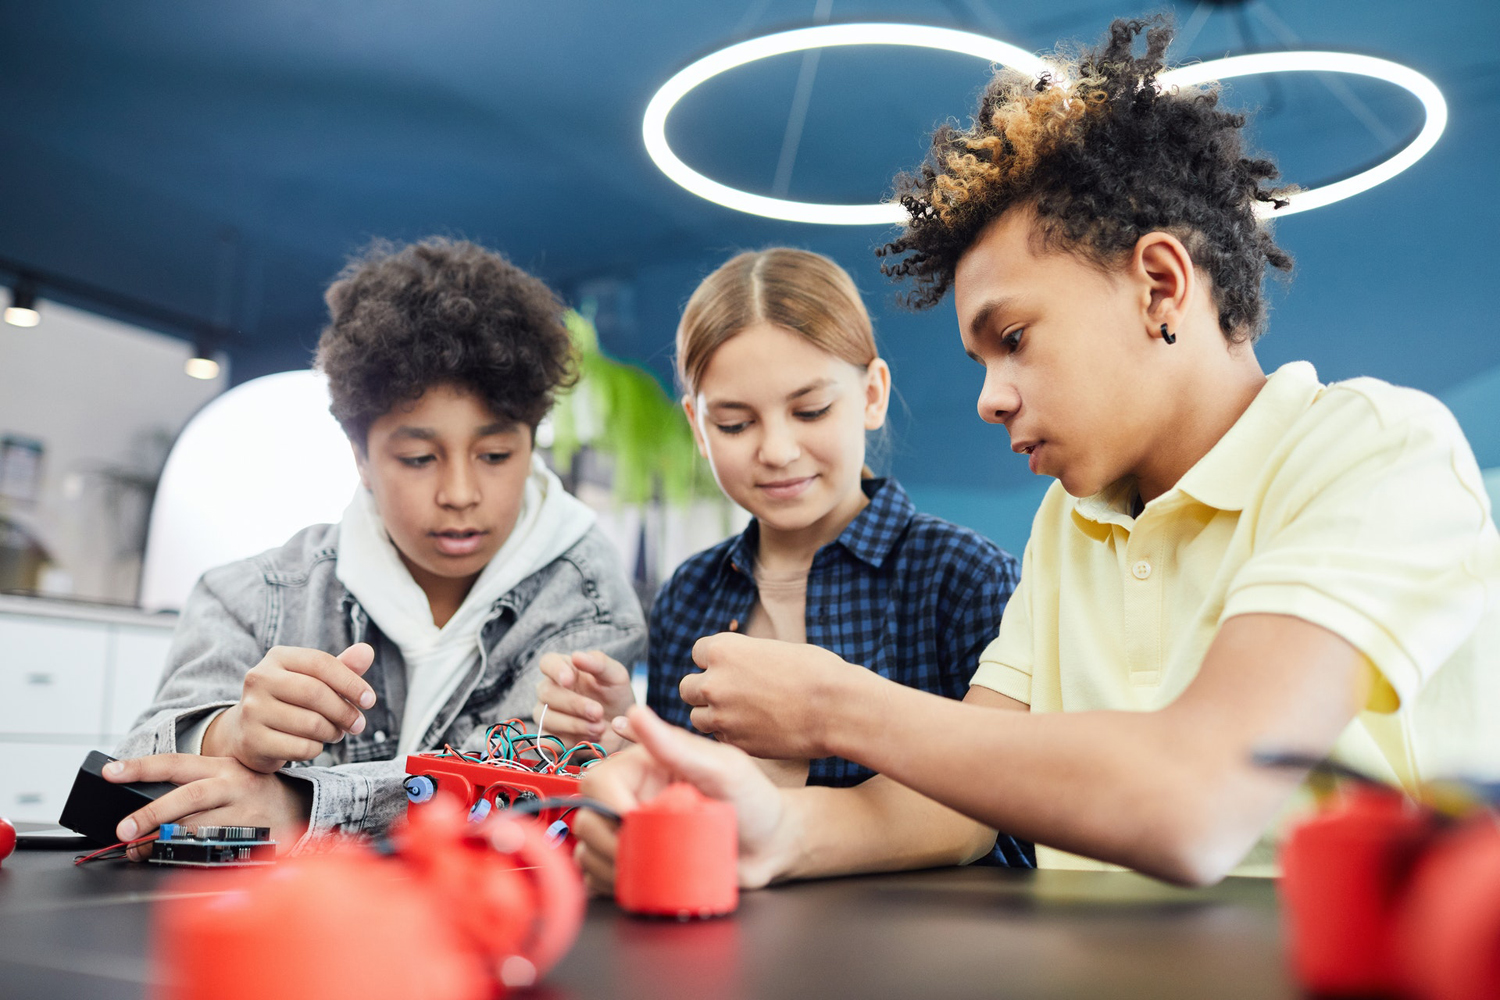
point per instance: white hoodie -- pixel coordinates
(551, 521)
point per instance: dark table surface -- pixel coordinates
(973, 932)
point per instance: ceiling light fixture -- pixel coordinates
(1433, 104)
(201, 365)
(654, 125)
(22, 310)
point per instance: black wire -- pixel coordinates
(562, 802)
(1306, 762)
(534, 737)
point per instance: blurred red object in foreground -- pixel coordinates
(1385, 897)
(1448, 932)
(461, 911)
(678, 856)
(1342, 874)
(7, 838)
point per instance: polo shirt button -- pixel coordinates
(1141, 570)
(380, 736)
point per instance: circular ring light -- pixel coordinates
(654, 126)
(1433, 104)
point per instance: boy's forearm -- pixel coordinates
(880, 824)
(1172, 792)
(1044, 778)
(211, 735)
(875, 826)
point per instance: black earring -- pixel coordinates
(1170, 338)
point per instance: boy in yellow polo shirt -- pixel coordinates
(1228, 562)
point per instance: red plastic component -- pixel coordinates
(469, 781)
(678, 856)
(1448, 934)
(464, 911)
(1342, 876)
(513, 893)
(7, 838)
(339, 925)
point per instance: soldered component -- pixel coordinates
(213, 846)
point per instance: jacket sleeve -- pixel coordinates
(351, 799)
(214, 646)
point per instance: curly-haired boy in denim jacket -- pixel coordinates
(299, 679)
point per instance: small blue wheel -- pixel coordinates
(419, 788)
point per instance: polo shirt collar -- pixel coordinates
(1225, 477)
(870, 537)
(1110, 505)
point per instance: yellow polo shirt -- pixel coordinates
(1357, 506)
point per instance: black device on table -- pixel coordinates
(96, 805)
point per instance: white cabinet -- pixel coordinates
(35, 779)
(52, 675)
(73, 678)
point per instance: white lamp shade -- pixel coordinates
(252, 468)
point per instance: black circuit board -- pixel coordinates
(213, 846)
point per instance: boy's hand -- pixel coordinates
(582, 692)
(294, 701)
(667, 754)
(213, 791)
(772, 699)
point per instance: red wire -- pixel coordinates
(81, 859)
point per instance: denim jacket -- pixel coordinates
(291, 597)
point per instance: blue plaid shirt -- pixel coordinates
(910, 596)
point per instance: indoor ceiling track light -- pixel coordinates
(201, 364)
(22, 310)
(654, 126)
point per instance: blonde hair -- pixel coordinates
(797, 290)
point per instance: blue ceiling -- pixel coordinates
(218, 161)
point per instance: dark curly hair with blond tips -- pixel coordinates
(441, 312)
(1103, 155)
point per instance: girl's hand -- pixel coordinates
(667, 754)
(294, 701)
(213, 791)
(581, 692)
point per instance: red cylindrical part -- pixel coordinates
(1448, 934)
(678, 856)
(1342, 873)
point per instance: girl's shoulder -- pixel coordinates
(948, 554)
(928, 531)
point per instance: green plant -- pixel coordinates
(622, 411)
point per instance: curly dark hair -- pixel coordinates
(441, 312)
(1103, 155)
